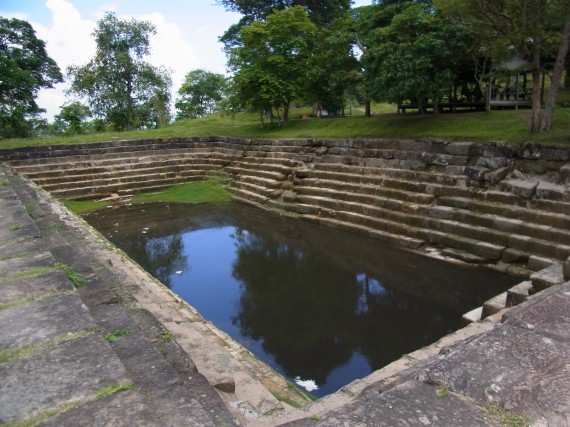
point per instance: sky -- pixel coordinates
(186, 39)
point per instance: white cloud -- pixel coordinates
(170, 49)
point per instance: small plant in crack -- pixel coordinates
(114, 336)
(15, 227)
(74, 277)
(166, 336)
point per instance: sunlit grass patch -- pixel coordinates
(210, 191)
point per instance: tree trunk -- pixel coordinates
(367, 109)
(546, 122)
(435, 104)
(534, 125)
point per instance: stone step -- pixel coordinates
(268, 183)
(401, 174)
(406, 196)
(506, 224)
(366, 199)
(122, 179)
(494, 305)
(108, 160)
(247, 196)
(62, 179)
(94, 192)
(538, 189)
(415, 186)
(255, 188)
(267, 174)
(385, 236)
(537, 215)
(409, 224)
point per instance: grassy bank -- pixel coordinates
(509, 126)
(210, 191)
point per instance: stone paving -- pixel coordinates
(74, 354)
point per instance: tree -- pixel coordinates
(321, 12)
(120, 88)
(333, 67)
(271, 63)
(25, 68)
(535, 30)
(71, 118)
(417, 56)
(200, 94)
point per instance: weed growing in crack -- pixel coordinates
(114, 336)
(74, 277)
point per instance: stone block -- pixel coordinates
(564, 174)
(411, 403)
(536, 263)
(497, 175)
(547, 277)
(550, 191)
(566, 269)
(459, 148)
(511, 255)
(522, 188)
(518, 293)
(513, 366)
(476, 173)
(472, 316)
(494, 305)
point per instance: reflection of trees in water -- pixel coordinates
(296, 303)
(161, 257)
(312, 315)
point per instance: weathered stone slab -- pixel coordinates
(566, 269)
(35, 286)
(549, 316)
(72, 371)
(43, 320)
(494, 305)
(518, 293)
(522, 188)
(547, 277)
(125, 408)
(515, 367)
(17, 265)
(547, 190)
(409, 404)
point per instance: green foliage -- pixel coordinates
(71, 119)
(76, 279)
(210, 191)
(416, 56)
(15, 227)
(271, 63)
(506, 418)
(166, 336)
(112, 389)
(114, 336)
(120, 88)
(82, 206)
(25, 68)
(200, 94)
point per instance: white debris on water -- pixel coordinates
(179, 272)
(309, 385)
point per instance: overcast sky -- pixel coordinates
(186, 39)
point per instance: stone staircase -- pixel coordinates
(67, 371)
(478, 203)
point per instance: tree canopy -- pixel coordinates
(120, 87)
(200, 94)
(25, 68)
(271, 63)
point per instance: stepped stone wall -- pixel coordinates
(482, 203)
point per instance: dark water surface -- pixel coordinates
(314, 303)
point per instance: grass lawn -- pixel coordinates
(509, 126)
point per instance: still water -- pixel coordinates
(321, 306)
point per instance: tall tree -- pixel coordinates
(321, 12)
(200, 94)
(25, 68)
(538, 31)
(72, 118)
(119, 86)
(416, 56)
(271, 63)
